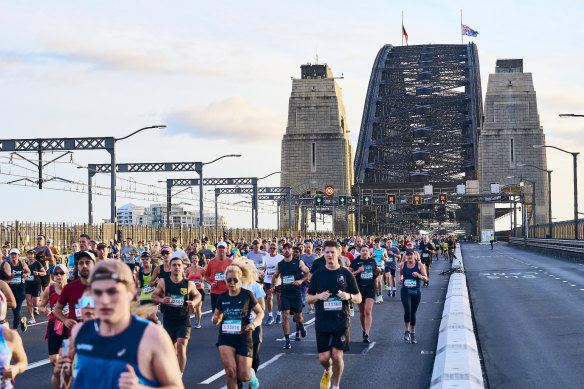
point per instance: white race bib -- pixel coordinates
(288, 280)
(410, 283)
(16, 280)
(30, 278)
(333, 304)
(219, 277)
(148, 289)
(270, 270)
(78, 312)
(367, 275)
(231, 327)
(425, 255)
(177, 300)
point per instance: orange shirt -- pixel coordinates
(196, 277)
(216, 272)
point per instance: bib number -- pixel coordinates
(219, 277)
(425, 255)
(177, 300)
(231, 327)
(410, 283)
(197, 283)
(270, 270)
(30, 278)
(367, 275)
(148, 289)
(288, 280)
(78, 312)
(333, 304)
(16, 280)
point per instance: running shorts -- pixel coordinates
(178, 330)
(242, 344)
(325, 341)
(291, 303)
(32, 288)
(55, 340)
(367, 292)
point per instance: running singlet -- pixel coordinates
(365, 278)
(196, 277)
(101, 359)
(17, 282)
(379, 257)
(5, 357)
(36, 266)
(236, 310)
(271, 263)
(147, 290)
(290, 272)
(163, 273)
(178, 310)
(411, 282)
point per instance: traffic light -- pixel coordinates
(342, 200)
(391, 199)
(417, 199)
(366, 200)
(442, 198)
(451, 221)
(318, 200)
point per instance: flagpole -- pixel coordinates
(461, 36)
(402, 30)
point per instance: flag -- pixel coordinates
(405, 34)
(466, 30)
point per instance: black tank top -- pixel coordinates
(163, 273)
(178, 310)
(17, 282)
(290, 272)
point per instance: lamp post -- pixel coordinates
(575, 163)
(549, 174)
(200, 173)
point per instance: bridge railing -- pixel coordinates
(557, 247)
(561, 230)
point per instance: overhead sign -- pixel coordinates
(329, 190)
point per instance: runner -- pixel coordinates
(71, 260)
(13, 360)
(215, 273)
(18, 272)
(32, 284)
(163, 270)
(73, 291)
(56, 332)
(195, 274)
(331, 288)
(83, 246)
(411, 272)
(179, 295)
(308, 258)
(365, 270)
(260, 295)
(426, 251)
(436, 243)
(393, 256)
(128, 254)
(120, 350)
(257, 256)
(144, 278)
(291, 269)
(232, 314)
(269, 283)
(380, 259)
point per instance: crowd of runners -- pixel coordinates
(101, 298)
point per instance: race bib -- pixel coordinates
(259, 266)
(410, 283)
(30, 278)
(148, 289)
(270, 270)
(197, 283)
(367, 275)
(252, 316)
(219, 277)
(65, 310)
(16, 280)
(425, 255)
(78, 312)
(380, 265)
(231, 327)
(333, 304)
(177, 300)
(288, 280)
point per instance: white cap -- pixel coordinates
(222, 244)
(15, 251)
(62, 267)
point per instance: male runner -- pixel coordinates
(179, 295)
(380, 258)
(271, 262)
(119, 350)
(257, 256)
(290, 270)
(426, 251)
(215, 273)
(365, 271)
(331, 288)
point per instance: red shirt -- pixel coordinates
(216, 272)
(196, 277)
(348, 255)
(70, 295)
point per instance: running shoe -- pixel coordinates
(297, 337)
(36, 311)
(311, 311)
(23, 325)
(366, 338)
(197, 325)
(393, 293)
(385, 287)
(325, 381)
(302, 331)
(270, 321)
(380, 299)
(352, 312)
(31, 321)
(413, 338)
(254, 383)
(287, 345)
(407, 336)
(389, 293)
(278, 319)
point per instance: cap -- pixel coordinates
(112, 270)
(318, 248)
(287, 244)
(49, 241)
(15, 251)
(146, 245)
(145, 254)
(222, 244)
(86, 254)
(165, 250)
(111, 241)
(93, 241)
(62, 267)
(409, 251)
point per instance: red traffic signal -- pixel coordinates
(391, 199)
(442, 198)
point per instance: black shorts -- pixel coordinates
(325, 341)
(202, 293)
(45, 280)
(55, 340)
(242, 344)
(256, 335)
(427, 261)
(32, 288)
(178, 330)
(367, 292)
(267, 286)
(391, 271)
(291, 303)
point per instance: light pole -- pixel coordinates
(533, 214)
(200, 173)
(575, 162)
(549, 174)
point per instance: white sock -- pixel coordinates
(280, 313)
(270, 314)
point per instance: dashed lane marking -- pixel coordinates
(260, 367)
(37, 364)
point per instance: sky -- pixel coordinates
(218, 75)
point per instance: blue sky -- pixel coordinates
(218, 74)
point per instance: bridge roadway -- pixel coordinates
(389, 362)
(529, 310)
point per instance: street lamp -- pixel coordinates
(533, 214)
(575, 162)
(200, 172)
(549, 173)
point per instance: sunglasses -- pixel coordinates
(232, 280)
(58, 273)
(272, 248)
(87, 301)
(165, 253)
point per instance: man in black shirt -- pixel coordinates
(365, 270)
(331, 288)
(426, 251)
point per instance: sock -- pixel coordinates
(270, 314)
(330, 370)
(287, 336)
(279, 313)
(253, 376)
(334, 387)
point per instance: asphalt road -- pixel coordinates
(529, 310)
(388, 362)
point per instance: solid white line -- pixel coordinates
(368, 348)
(202, 313)
(37, 364)
(222, 372)
(309, 323)
(38, 323)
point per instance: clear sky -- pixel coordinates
(218, 75)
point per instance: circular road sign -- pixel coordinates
(329, 190)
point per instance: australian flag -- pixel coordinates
(466, 30)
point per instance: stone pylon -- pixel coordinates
(509, 131)
(316, 151)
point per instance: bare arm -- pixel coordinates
(10, 300)
(306, 272)
(44, 302)
(155, 274)
(19, 359)
(194, 294)
(158, 294)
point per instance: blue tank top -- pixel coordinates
(378, 255)
(101, 359)
(410, 282)
(5, 357)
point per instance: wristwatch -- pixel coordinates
(350, 296)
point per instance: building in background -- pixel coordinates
(155, 216)
(129, 213)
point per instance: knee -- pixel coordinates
(324, 358)
(367, 311)
(337, 355)
(244, 376)
(181, 347)
(230, 372)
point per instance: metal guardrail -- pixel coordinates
(558, 245)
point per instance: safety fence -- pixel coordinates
(561, 230)
(557, 247)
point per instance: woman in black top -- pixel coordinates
(32, 284)
(232, 314)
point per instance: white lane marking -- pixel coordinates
(368, 348)
(202, 313)
(564, 281)
(309, 323)
(37, 364)
(36, 324)
(222, 372)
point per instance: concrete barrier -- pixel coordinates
(457, 363)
